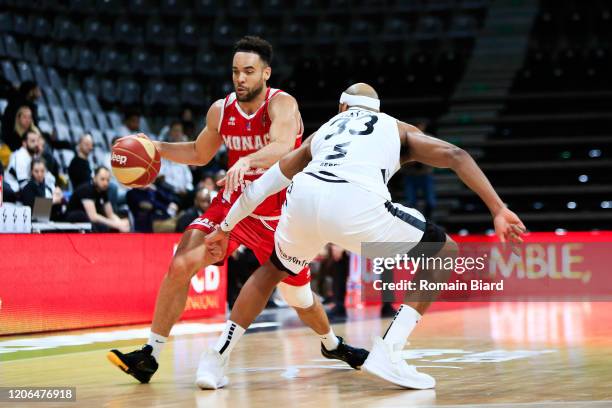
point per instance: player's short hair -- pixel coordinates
(257, 45)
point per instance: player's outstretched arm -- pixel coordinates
(203, 149)
(438, 153)
(284, 127)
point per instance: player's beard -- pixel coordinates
(251, 95)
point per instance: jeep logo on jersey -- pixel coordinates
(254, 142)
(122, 160)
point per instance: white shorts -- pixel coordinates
(318, 212)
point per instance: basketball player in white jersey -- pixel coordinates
(338, 193)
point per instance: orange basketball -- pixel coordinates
(135, 161)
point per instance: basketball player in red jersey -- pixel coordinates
(258, 125)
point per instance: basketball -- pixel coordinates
(135, 161)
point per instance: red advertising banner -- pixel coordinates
(73, 281)
(569, 266)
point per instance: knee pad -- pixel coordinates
(297, 296)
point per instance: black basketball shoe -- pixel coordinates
(350, 355)
(140, 364)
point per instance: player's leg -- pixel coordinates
(396, 230)
(191, 255)
(250, 302)
(311, 313)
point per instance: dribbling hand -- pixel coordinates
(235, 176)
(216, 243)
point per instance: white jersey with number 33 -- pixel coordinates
(359, 146)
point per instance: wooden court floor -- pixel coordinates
(500, 355)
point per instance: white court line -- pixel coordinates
(56, 341)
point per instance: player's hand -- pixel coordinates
(235, 176)
(216, 242)
(509, 227)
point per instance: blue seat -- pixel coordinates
(192, 93)
(11, 47)
(58, 116)
(65, 58)
(66, 99)
(108, 91)
(40, 27)
(54, 78)
(64, 29)
(207, 8)
(9, 73)
(24, 71)
(96, 31)
(85, 59)
(129, 92)
(87, 119)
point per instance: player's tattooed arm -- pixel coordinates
(416, 146)
(204, 148)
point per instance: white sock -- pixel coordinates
(157, 342)
(329, 340)
(402, 325)
(229, 338)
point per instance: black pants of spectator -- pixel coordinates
(81, 216)
(341, 279)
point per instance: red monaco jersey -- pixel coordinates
(245, 134)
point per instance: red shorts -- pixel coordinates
(255, 234)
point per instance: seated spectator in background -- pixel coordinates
(8, 195)
(79, 170)
(208, 182)
(37, 187)
(178, 176)
(18, 171)
(27, 95)
(131, 123)
(116, 190)
(200, 205)
(149, 205)
(89, 203)
(51, 163)
(24, 123)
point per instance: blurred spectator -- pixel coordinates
(27, 95)
(37, 187)
(23, 123)
(336, 264)
(208, 182)
(89, 203)
(79, 170)
(149, 205)
(8, 195)
(200, 205)
(178, 176)
(188, 123)
(51, 163)
(131, 123)
(18, 171)
(418, 178)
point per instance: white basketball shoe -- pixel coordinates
(211, 371)
(385, 361)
